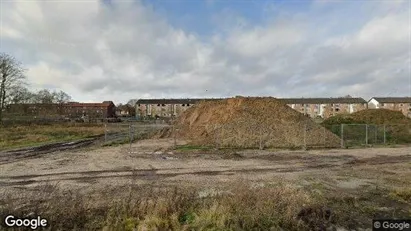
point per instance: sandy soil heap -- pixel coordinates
(245, 122)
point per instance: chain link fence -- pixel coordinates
(121, 133)
(260, 137)
(352, 135)
(229, 136)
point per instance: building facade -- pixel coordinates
(105, 109)
(326, 107)
(164, 108)
(313, 107)
(402, 104)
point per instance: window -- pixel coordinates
(158, 105)
(401, 105)
(302, 105)
(337, 109)
(139, 105)
(163, 105)
(188, 105)
(183, 105)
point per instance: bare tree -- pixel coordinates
(132, 106)
(132, 102)
(44, 96)
(19, 94)
(11, 75)
(61, 97)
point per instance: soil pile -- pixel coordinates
(370, 116)
(249, 123)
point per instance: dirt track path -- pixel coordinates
(150, 162)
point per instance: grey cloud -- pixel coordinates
(129, 50)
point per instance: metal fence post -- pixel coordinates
(129, 135)
(342, 135)
(216, 136)
(375, 134)
(366, 134)
(105, 133)
(261, 138)
(325, 145)
(305, 137)
(134, 132)
(174, 136)
(219, 131)
(385, 138)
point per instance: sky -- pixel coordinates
(131, 49)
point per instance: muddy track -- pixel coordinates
(31, 152)
(381, 160)
(142, 174)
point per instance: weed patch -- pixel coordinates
(30, 135)
(240, 207)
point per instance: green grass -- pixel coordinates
(116, 143)
(24, 136)
(401, 194)
(193, 148)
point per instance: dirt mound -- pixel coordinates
(250, 122)
(370, 116)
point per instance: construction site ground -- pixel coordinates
(155, 162)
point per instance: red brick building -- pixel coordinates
(105, 109)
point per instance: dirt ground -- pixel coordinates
(154, 162)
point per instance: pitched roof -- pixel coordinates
(174, 101)
(86, 105)
(108, 102)
(322, 100)
(285, 100)
(392, 99)
(68, 104)
(76, 104)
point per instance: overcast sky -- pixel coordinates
(118, 50)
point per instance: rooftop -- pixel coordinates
(349, 100)
(174, 101)
(322, 100)
(393, 99)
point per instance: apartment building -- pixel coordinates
(326, 107)
(402, 104)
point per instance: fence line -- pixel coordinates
(256, 136)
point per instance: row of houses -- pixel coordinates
(402, 104)
(168, 108)
(165, 107)
(313, 107)
(106, 109)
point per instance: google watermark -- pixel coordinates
(31, 223)
(391, 225)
